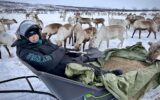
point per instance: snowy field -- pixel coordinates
(12, 67)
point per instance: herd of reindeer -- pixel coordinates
(94, 34)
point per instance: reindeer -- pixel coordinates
(35, 18)
(154, 52)
(71, 20)
(6, 40)
(8, 22)
(63, 15)
(83, 36)
(2, 28)
(63, 33)
(132, 18)
(28, 14)
(151, 26)
(38, 22)
(121, 22)
(157, 21)
(107, 33)
(82, 20)
(50, 30)
(117, 22)
(98, 21)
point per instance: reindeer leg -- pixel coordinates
(84, 43)
(0, 53)
(134, 32)
(74, 39)
(121, 43)
(139, 33)
(7, 50)
(107, 43)
(129, 26)
(100, 44)
(8, 26)
(154, 35)
(102, 24)
(69, 39)
(149, 33)
(65, 41)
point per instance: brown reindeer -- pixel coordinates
(151, 26)
(50, 30)
(82, 20)
(98, 21)
(83, 36)
(154, 52)
(8, 22)
(132, 18)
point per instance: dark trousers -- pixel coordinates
(60, 68)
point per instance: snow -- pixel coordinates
(12, 67)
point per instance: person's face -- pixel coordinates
(34, 38)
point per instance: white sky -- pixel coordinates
(100, 3)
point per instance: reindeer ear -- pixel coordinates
(150, 43)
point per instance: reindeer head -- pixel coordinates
(154, 52)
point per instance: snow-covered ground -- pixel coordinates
(12, 67)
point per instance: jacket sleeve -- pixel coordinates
(43, 62)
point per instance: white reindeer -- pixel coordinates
(121, 22)
(2, 28)
(107, 33)
(6, 40)
(63, 33)
(71, 20)
(83, 20)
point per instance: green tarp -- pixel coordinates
(131, 85)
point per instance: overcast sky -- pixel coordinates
(100, 3)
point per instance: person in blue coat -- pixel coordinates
(41, 53)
